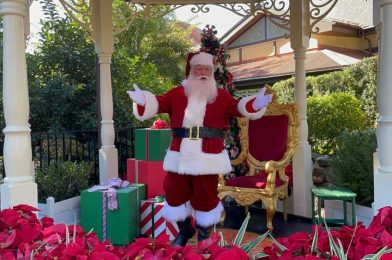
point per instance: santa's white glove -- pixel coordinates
(261, 100)
(137, 95)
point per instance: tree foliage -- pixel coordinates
(329, 116)
(62, 69)
(61, 75)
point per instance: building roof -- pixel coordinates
(352, 12)
(284, 65)
(358, 13)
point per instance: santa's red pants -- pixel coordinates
(188, 195)
(200, 190)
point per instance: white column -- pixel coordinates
(103, 38)
(383, 173)
(19, 186)
(302, 161)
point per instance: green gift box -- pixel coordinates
(151, 144)
(122, 224)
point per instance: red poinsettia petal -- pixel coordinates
(163, 239)
(25, 208)
(55, 229)
(6, 238)
(73, 249)
(30, 232)
(24, 251)
(7, 254)
(47, 222)
(9, 217)
(386, 238)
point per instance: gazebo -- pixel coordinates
(300, 17)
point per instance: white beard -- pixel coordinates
(201, 89)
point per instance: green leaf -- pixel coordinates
(279, 245)
(240, 234)
(252, 244)
(313, 248)
(378, 254)
(259, 255)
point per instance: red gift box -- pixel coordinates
(150, 173)
(152, 222)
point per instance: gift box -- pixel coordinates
(147, 172)
(153, 223)
(151, 144)
(120, 225)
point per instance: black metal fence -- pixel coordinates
(77, 146)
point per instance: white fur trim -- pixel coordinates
(150, 109)
(202, 58)
(209, 218)
(196, 163)
(194, 113)
(179, 213)
(242, 108)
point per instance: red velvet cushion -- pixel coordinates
(259, 181)
(268, 137)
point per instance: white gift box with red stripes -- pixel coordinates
(153, 223)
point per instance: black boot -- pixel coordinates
(204, 232)
(186, 231)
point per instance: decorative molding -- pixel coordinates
(319, 9)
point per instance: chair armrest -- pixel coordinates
(221, 179)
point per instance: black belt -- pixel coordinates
(197, 132)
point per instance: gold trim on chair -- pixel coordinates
(270, 194)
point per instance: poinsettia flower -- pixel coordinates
(57, 252)
(29, 232)
(366, 246)
(7, 238)
(8, 218)
(24, 251)
(386, 239)
(73, 249)
(25, 208)
(229, 253)
(55, 229)
(206, 243)
(47, 222)
(103, 256)
(382, 220)
(296, 242)
(92, 240)
(7, 254)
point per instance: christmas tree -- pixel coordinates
(211, 44)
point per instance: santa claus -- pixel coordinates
(199, 114)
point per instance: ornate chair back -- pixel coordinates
(267, 147)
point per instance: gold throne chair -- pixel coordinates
(267, 147)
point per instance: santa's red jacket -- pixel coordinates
(203, 156)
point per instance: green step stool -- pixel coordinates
(332, 193)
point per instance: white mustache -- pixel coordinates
(202, 77)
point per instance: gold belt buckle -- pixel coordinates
(197, 133)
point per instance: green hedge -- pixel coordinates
(352, 164)
(62, 180)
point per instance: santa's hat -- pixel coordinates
(198, 58)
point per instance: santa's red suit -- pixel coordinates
(194, 165)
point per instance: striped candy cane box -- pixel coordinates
(152, 222)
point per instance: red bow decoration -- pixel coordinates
(159, 124)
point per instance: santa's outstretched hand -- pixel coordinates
(137, 95)
(261, 100)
